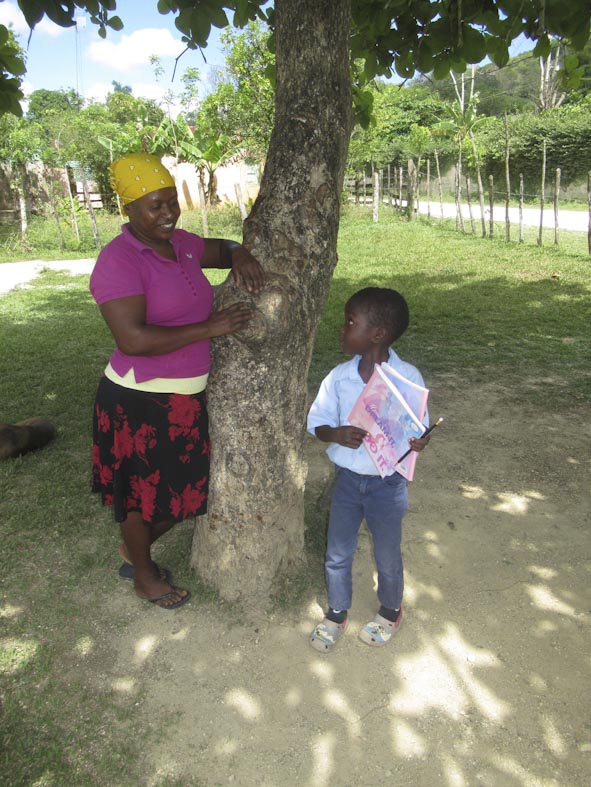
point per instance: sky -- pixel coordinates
(63, 58)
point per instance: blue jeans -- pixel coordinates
(382, 502)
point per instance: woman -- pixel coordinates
(150, 429)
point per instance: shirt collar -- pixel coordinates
(353, 370)
(143, 247)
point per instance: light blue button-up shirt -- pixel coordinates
(337, 395)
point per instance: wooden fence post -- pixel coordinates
(556, 196)
(458, 197)
(521, 200)
(93, 224)
(479, 182)
(72, 206)
(411, 189)
(439, 183)
(491, 205)
(48, 185)
(542, 193)
(469, 201)
(589, 212)
(203, 208)
(240, 201)
(376, 196)
(428, 188)
(507, 184)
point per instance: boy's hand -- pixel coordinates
(418, 443)
(349, 436)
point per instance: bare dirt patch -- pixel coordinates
(487, 683)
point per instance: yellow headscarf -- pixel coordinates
(137, 174)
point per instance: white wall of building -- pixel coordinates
(187, 182)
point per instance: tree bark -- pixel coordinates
(257, 394)
(21, 190)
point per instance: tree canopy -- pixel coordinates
(396, 36)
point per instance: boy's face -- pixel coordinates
(357, 335)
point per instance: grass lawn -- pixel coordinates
(480, 310)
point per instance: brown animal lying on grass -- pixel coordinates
(29, 435)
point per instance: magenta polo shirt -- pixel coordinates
(177, 293)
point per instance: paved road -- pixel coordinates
(14, 273)
(568, 220)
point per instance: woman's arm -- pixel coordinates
(126, 318)
(222, 253)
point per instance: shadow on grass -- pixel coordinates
(517, 327)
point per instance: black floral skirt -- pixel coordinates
(150, 453)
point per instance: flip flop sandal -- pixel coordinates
(164, 596)
(123, 556)
(126, 572)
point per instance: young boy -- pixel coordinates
(374, 318)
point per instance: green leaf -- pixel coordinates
(242, 13)
(424, 58)
(458, 65)
(12, 63)
(195, 24)
(115, 23)
(580, 37)
(271, 73)
(571, 62)
(404, 67)
(32, 11)
(215, 15)
(163, 7)
(543, 47)
(441, 69)
(497, 50)
(57, 14)
(473, 48)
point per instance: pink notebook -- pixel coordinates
(391, 410)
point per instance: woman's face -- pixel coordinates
(153, 217)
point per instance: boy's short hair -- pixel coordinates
(385, 308)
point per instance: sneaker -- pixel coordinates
(326, 635)
(379, 631)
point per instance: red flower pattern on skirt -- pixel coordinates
(143, 494)
(189, 501)
(122, 443)
(144, 439)
(103, 420)
(148, 449)
(182, 414)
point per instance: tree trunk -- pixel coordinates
(257, 390)
(21, 190)
(479, 181)
(507, 183)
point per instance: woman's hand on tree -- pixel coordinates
(229, 320)
(247, 270)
